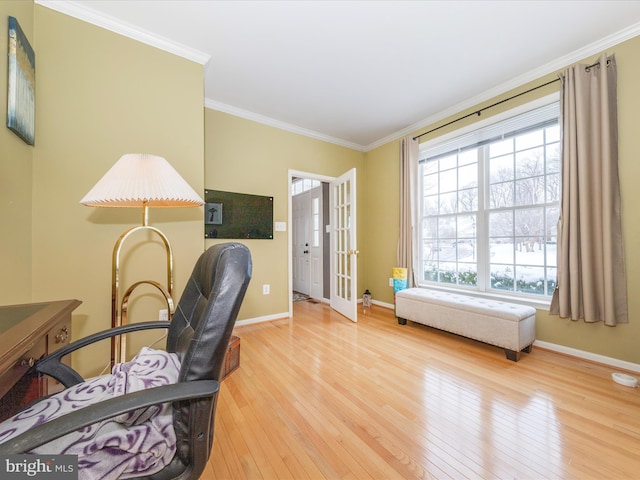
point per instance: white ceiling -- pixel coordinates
(360, 73)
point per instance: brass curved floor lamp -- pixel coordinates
(139, 180)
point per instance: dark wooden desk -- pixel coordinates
(27, 332)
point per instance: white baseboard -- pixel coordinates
(593, 357)
(266, 318)
(383, 304)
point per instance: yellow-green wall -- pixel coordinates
(248, 157)
(619, 342)
(100, 95)
(16, 159)
(382, 223)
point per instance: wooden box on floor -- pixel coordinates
(232, 358)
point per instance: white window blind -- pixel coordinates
(516, 125)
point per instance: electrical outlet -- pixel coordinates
(391, 282)
(266, 289)
(163, 315)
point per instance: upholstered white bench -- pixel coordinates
(503, 324)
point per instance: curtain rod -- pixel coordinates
(478, 112)
(597, 64)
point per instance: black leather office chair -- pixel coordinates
(198, 334)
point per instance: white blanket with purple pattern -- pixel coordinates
(138, 443)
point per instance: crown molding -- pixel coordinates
(80, 12)
(68, 7)
(246, 114)
(551, 67)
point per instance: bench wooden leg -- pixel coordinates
(512, 355)
(515, 356)
(402, 321)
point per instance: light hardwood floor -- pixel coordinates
(319, 397)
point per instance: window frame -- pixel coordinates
(482, 287)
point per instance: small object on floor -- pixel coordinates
(624, 379)
(366, 298)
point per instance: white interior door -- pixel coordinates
(315, 244)
(344, 252)
(300, 206)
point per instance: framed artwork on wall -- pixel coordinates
(21, 85)
(213, 214)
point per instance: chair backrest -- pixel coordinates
(199, 333)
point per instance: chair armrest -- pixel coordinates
(105, 410)
(52, 365)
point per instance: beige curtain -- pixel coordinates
(591, 268)
(408, 216)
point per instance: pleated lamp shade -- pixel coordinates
(139, 179)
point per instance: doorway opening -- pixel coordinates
(333, 272)
(309, 240)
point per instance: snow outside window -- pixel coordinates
(489, 205)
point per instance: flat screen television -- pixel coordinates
(237, 215)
